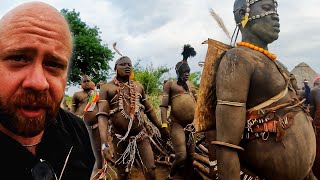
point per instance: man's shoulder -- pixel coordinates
(240, 55)
(78, 93)
(237, 51)
(137, 83)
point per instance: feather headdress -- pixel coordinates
(218, 19)
(188, 51)
(114, 47)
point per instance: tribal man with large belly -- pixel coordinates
(261, 124)
(122, 105)
(181, 96)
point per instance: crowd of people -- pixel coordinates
(262, 125)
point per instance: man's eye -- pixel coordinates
(266, 7)
(53, 64)
(18, 58)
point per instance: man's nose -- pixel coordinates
(36, 79)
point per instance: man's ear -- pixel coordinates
(241, 13)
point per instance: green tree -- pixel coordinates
(195, 78)
(150, 77)
(90, 56)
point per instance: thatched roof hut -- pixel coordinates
(303, 71)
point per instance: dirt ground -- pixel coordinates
(161, 174)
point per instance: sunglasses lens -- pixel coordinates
(43, 171)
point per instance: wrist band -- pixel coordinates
(104, 145)
(164, 125)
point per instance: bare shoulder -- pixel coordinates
(107, 86)
(77, 94)
(239, 54)
(138, 85)
(238, 59)
(191, 85)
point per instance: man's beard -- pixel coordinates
(12, 120)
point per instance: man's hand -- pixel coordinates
(108, 154)
(165, 134)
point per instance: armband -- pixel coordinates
(164, 125)
(227, 145)
(102, 113)
(231, 103)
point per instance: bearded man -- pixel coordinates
(180, 94)
(84, 106)
(38, 139)
(122, 105)
(261, 125)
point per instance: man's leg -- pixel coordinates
(118, 150)
(179, 146)
(146, 154)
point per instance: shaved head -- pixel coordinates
(35, 51)
(39, 14)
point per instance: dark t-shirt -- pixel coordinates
(68, 131)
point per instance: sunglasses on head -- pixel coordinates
(43, 171)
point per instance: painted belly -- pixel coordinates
(182, 109)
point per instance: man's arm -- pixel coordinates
(230, 120)
(103, 116)
(165, 102)
(149, 111)
(74, 103)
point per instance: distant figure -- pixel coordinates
(84, 106)
(307, 91)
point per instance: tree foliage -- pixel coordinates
(195, 77)
(150, 77)
(90, 56)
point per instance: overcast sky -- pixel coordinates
(156, 30)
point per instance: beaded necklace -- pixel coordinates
(256, 48)
(132, 94)
(133, 108)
